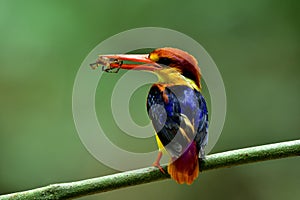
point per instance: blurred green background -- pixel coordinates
(256, 46)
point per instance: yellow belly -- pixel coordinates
(159, 144)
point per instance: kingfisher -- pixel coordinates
(175, 106)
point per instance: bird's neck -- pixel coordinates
(171, 76)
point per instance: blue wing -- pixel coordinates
(179, 116)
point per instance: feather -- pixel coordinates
(181, 127)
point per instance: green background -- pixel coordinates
(42, 44)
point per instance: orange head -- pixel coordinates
(180, 60)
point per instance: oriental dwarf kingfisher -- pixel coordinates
(175, 106)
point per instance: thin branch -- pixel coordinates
(150, 174)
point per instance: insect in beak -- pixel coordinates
(113, 63)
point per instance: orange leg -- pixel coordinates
(157, 164)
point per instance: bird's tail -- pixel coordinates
(185, 169)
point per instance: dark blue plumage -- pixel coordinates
(176, 107)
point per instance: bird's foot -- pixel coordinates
(157, 164)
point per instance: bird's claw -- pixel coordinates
(157, 165)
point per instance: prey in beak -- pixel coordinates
(113, 63)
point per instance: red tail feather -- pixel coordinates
(186, 168)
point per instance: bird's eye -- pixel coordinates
(164, 61)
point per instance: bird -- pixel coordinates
(175, 105)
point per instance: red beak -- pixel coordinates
(141, 62)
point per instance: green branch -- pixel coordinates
(150, 174)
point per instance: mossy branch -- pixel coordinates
(150, 174)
